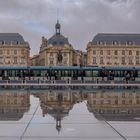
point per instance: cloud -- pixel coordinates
(80, 20)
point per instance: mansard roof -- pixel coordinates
(11, 37)
(122, 39)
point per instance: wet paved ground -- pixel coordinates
(69, 115)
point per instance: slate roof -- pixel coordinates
(118, 38)
(58, 39)
(11, 37)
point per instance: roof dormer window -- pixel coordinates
(15, 42)
(54, 43)
(100, 43)
(61, 43)
(1, 42)
(129, 42)
(115, 43)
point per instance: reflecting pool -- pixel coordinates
(70, 114)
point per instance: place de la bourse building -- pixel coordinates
(57, 51)
(103, 50)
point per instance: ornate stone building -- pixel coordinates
(14, 51)
(114, 50)
(34, 61)
(57, 51)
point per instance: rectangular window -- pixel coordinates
(1, 59)
(108, 52)
(22, 60)
(15, 60)
(137, 60)
(22, 52)
(94, 52)
(15, 52)
(108, 60)
(130, 60)
(101, 52)
(115, 52)
(94, 60)
(1, 52)
(123, 52)
(123, 60)
(51, 62)
(130, 52)
(7, 60)
(8, 52)
(137, 53)
(116, 60)
(101, 60)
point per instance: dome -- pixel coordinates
(58, 38)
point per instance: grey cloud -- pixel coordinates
(80, 19)
(117, 1)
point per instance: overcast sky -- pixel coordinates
(80, 20)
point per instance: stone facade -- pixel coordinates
(114, 50)
(57, 51)
(14, 51)
(34, 61)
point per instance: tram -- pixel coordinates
(71, 72)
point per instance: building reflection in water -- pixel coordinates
(13, 105)
(59, 103)
(105, 104)
(115, 106)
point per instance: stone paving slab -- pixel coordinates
(9, 138)
(12, 130)
(71, 130)
(128, 129)
(46, 138)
